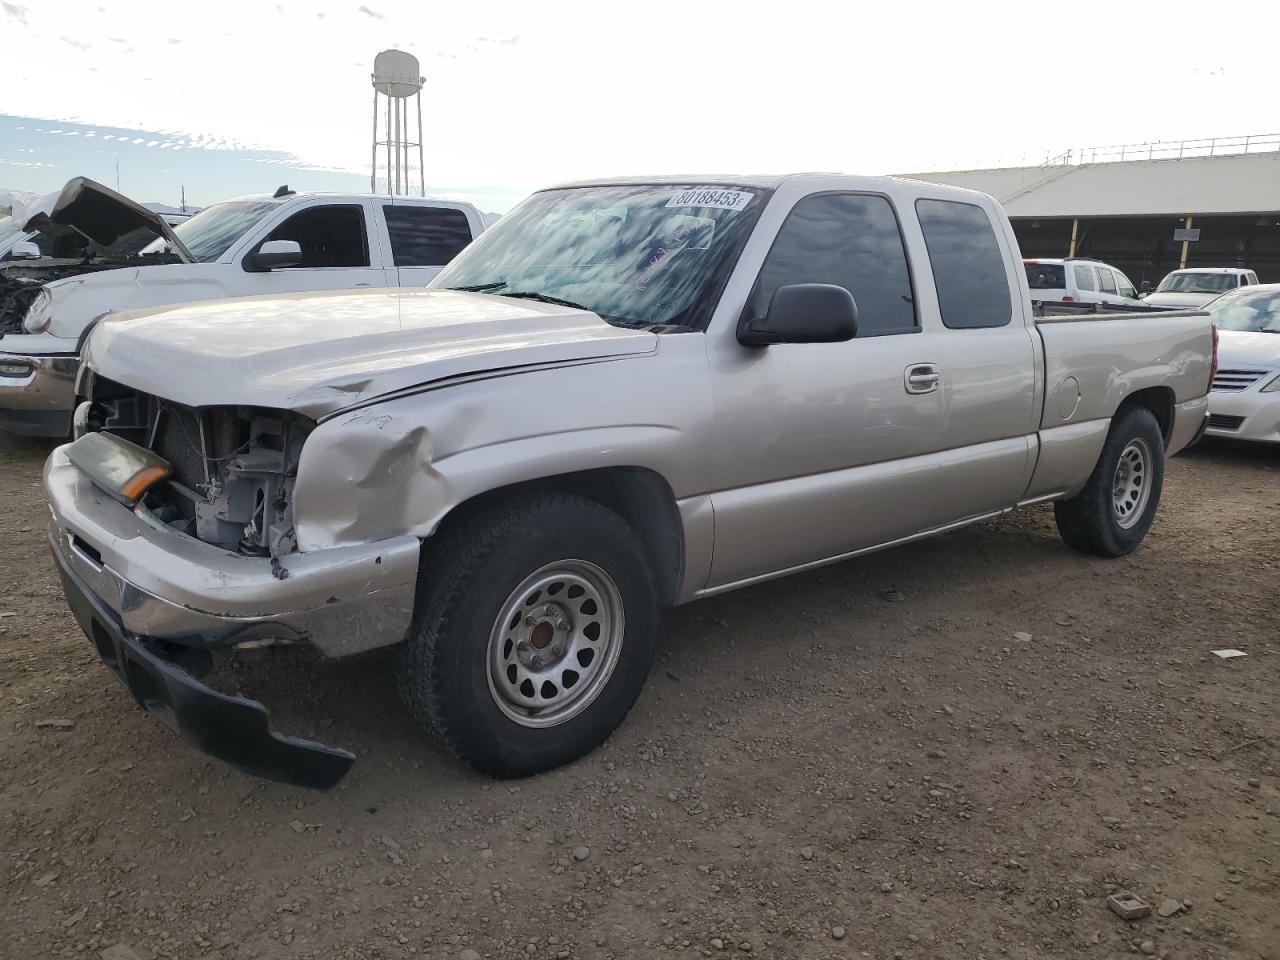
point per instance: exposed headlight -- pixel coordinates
(40, 314)
(1273, 386)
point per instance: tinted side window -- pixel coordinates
(1124, 286)
(968, 269)
(426, 236)
(852, 241)
(332, 236)
(1107, 279)
(1084, 277)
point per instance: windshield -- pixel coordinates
(1248, 309)
(1197, 283)
(636, 255)
(212, 231)
(1045, 276)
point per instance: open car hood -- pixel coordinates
(103, 216)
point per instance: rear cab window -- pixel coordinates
(426, 236)
(968, 267)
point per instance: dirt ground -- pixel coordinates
(871, 761)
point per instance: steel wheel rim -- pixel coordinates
(555, 643)
(1131, 486)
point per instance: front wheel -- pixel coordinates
(533, 633)
(1111, 515)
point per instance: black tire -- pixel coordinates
(1090, 521)
(469, 572)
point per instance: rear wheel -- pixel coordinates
(533, 633)
(1111, 515)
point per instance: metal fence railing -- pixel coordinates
(1168, 150)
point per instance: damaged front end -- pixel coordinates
(234, 468)
(89, 228)
(201, 562)
(22, 280)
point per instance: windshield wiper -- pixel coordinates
(544, 298)
(480, 287)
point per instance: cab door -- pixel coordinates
(1126, 291)
(825, 449)
(339, 251)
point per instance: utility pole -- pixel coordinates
(184, 198)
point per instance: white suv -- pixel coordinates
(1078, 281)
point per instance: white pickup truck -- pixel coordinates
(285, 243)
(626, 395)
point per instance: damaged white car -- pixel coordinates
(279, 243)
(625, 396)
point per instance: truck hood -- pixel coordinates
(1179, 301)
(320, 353)
(100, 214)
(1239, 348)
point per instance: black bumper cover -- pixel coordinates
(233, 729)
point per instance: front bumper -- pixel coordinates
(1246, 415)
(37, 393)
(149, 596)
(170, 586)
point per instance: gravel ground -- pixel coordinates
(956, 749)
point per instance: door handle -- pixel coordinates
(922, 378)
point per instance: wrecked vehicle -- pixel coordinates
(283, 243)
(625, 396)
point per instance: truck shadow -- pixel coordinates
(707, 650)
(1234, 453)
(14, 447)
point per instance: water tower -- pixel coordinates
(396, 79)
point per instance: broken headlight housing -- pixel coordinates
(39, 314)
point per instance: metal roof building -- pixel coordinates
(1125, 213)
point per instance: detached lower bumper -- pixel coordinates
(37, 393)
(233, 729)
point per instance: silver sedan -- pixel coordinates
(1245, 401)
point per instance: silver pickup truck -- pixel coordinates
(627, 395)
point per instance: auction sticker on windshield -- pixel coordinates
(712, 197)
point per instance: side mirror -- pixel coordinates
(1145, 287)
(274, 254)
(24, 250)
(803, 313)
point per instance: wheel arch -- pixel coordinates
(640, 495)
(1159, 401)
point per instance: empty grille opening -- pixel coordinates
(106, 646)
(179, 440)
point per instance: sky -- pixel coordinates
(237, 97)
